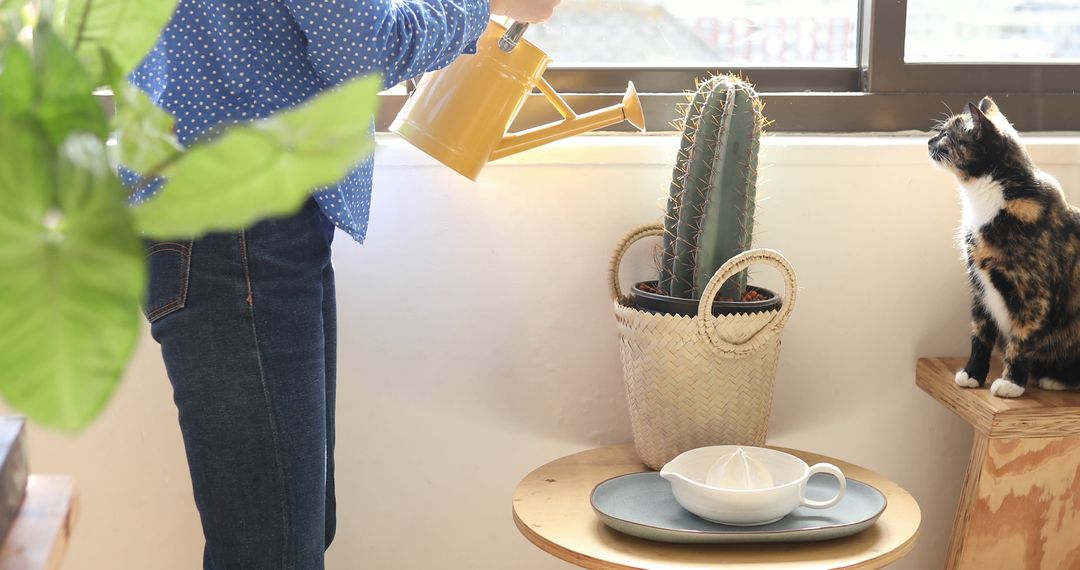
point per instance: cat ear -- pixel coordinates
(981, 124)
(988, 107)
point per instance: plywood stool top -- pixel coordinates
(552, 510)
(1038, 413)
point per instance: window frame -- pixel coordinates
(883, 93)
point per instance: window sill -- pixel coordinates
(857, 149)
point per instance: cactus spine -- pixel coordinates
(710, 210)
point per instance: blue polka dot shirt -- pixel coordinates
(223, 61)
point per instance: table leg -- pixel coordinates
(1020, 506)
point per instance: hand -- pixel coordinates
(531, 11)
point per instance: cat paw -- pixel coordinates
(1052, 384)
(1003, 388)
(965, 381)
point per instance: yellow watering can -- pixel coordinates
(460, 115)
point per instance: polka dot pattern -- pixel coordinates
(226, 61)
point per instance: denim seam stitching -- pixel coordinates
(180, 250)
(269, 404)
(186, 273)
(154, 313)
(177, 246)
(164, 309)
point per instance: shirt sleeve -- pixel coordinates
(399, 38)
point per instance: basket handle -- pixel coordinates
(743, 261)
(642, 232)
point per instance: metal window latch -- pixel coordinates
(510, 40)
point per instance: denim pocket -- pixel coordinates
(169, 267)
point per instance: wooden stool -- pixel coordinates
(38, 538)
(552, 509)
(1020, 506)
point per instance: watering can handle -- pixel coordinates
(512, 36)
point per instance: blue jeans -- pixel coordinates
(247, 327)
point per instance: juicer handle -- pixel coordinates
(510, 39)
(830, 469)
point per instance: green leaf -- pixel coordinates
(51, 87)
(10, 22)
(66, 93)
(266, 168)
(145, 130)
(11, 6)
(26, 185)
(71, 277)
(111, 74)
(127, 29)
(18, 85)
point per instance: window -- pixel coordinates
(980, 31)
(702, 33)
(821, 65)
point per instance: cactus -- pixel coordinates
(688, 125)
(710, 209)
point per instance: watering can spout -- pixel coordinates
(572, 124)
(632, 110)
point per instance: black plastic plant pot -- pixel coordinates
(657, 303)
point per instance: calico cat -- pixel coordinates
(1021, 243)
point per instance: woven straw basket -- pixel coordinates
(698, 381)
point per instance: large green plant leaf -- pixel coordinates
(145, 130)
(11, 7)
(18, 86)
(9, 28)
(66, 93)
(9, 19)
(73, 275)
(51, 87)
(126, 29)
(266, 168)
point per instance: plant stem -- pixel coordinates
(82, 25)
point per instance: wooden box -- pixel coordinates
(14, 469)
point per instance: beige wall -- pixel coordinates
(477, 342)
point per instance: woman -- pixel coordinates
(246, 320)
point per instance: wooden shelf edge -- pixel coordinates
(927, 373)
(1036, 414)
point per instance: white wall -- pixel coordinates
(477, 343)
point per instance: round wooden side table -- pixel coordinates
(552, 510)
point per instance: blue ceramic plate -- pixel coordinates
(642, 505)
